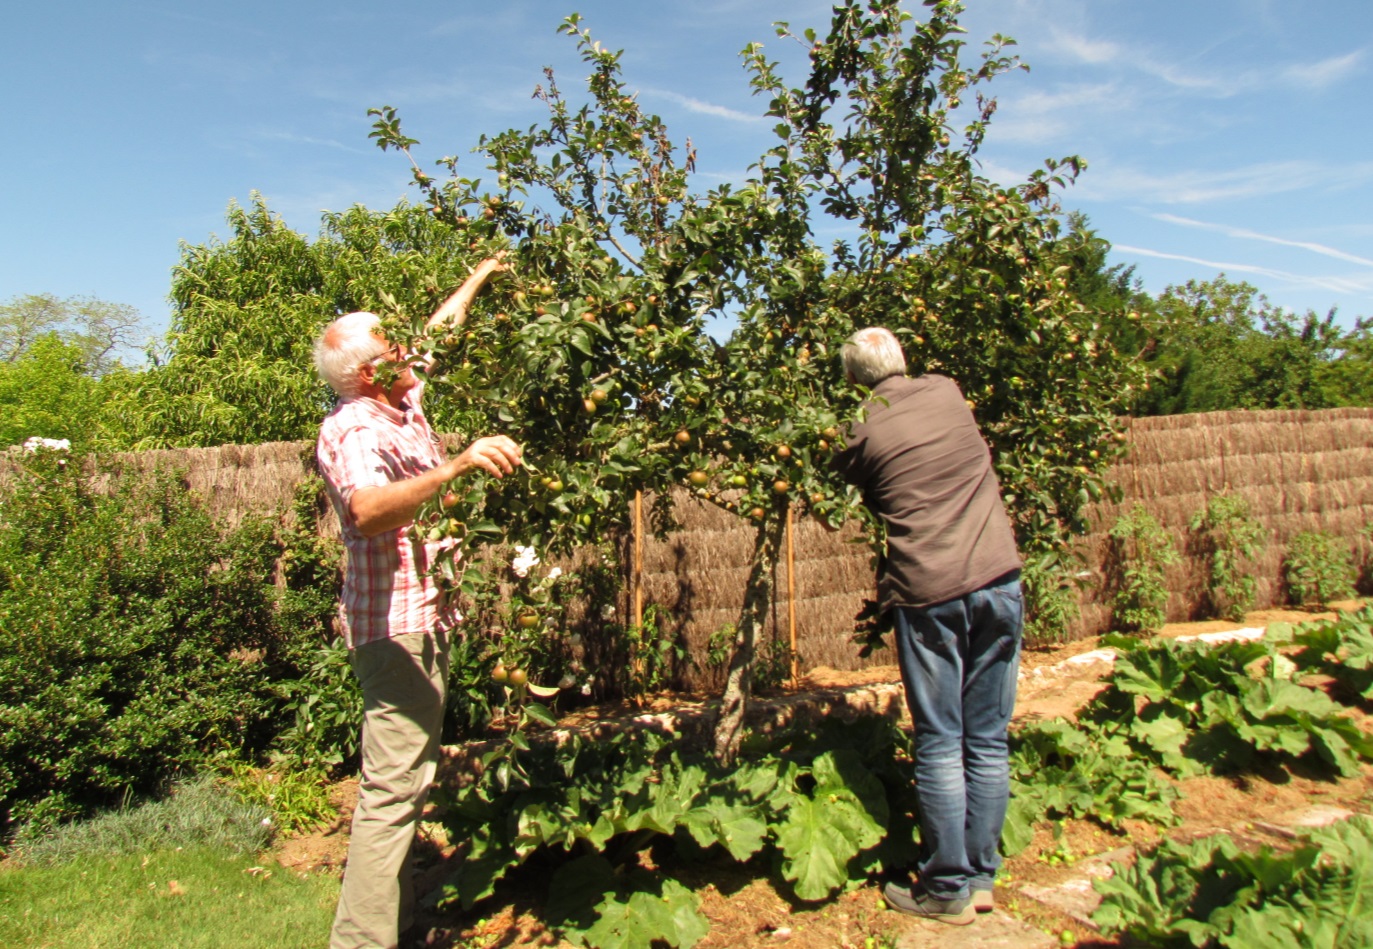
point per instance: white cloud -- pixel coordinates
(1047, 116)
(1326, 72)
(294, 139)
(1196, 187)
(702, 107)
(1086, 50)
(1243, 234)
(1336, 284)
(1222, 83)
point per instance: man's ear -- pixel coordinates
(368, 373)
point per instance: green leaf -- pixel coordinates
(736, 827)
(815, 846)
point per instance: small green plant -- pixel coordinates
(1051, 600)
(297, 799)
(1230, 541)
(1366, 564)
(772, 668)
(1319, 569)
(654, 654)
(720, 646)
(1142, 552)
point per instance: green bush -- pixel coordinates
(1051, 600)
(1141, 552)
(138, 641)
(1229, 540)
(1319, 569)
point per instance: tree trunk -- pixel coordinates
(729, 729)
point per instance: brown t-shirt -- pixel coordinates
(924, 467)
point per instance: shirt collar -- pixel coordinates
(385, 410)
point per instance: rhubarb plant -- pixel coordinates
(1209, 892)
(819, 800)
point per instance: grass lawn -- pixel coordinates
(200, 896)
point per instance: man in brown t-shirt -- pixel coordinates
(951, 578)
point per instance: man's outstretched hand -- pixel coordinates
(495, 454)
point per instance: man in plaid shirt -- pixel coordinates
(381, 461)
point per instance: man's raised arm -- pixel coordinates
(454, 309)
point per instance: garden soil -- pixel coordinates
(1044, 898)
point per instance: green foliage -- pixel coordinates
(1061, 770)
(1219, 345)
(1318, 569)
(296, 800)
(196, 814)
(238, 367)
(1230, 541)
(138, 641)
(1191, 709)
(46, 391)
(818, 800)
(1210, 892)
(1142, 551)
(1341, 649)
(324, 709)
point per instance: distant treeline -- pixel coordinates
(235, 366)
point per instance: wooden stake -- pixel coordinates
(791, 595)
(638, 565)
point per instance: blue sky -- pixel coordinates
(1220, 135)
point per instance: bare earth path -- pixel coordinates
(1039, 905)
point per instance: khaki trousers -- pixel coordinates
(403, 687)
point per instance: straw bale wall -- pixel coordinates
(1299, 470)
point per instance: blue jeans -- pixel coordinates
(959, 661)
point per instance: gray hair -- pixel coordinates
(345, 346)
(873, 354)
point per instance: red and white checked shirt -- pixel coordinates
(387, 587)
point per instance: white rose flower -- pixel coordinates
(525, 560)
(32, 445)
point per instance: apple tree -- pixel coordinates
(596, 352)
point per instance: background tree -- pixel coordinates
(47, 391)
(597, 354)
(1217, 344)
(101, 331)
(237, 365)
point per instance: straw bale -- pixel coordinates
(1299, 470)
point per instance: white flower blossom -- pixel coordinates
(525, 560)
(607, 611)
(555, 573)
(32, 445)
(586, 688)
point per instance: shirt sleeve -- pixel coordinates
(355, 460)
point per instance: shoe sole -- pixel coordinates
(983, 902)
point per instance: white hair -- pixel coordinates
(345, 346)
(873, 354)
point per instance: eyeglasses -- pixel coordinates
(394, 354)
